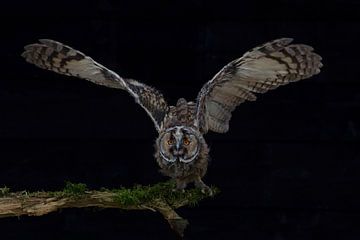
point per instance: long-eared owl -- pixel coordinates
(181, 150)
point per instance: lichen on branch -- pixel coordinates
(159, 197)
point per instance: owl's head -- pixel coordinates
(179, 143)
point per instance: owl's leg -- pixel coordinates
(204, 188)
(180, 185)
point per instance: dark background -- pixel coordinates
(288, 168)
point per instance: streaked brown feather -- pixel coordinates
(62, 59)
(263, 68)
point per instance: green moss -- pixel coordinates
(164, 191)
(4, 191)
(74, 189)
(136, 195)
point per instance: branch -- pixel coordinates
(159, 197)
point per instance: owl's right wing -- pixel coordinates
(261, 69)
(62, 59)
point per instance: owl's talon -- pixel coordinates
(207, 190)
(178, 190)
(203, 187)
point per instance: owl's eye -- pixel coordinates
(186, 141)
(170, 141)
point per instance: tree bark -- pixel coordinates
(39, 203)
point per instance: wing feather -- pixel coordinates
(259, 70)
(62, 59)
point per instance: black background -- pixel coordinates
(288, 168)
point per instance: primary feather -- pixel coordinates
(261, 69)
(60, 58)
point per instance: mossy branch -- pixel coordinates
(159, 197)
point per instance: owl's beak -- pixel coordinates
(178, 137)
(177, 145)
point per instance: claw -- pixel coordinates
(203, 187)
(178, 190)
(207, 190)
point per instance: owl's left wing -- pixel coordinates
(62, 59)
(263, 68)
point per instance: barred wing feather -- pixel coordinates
(261, 69)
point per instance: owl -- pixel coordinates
(180, 148)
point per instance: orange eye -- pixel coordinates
(170, 142)
(186, 141)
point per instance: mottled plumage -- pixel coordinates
(181, 150)
(263, 68)
(57, 57)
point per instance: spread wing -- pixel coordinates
(263, 68)
(57, 57)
